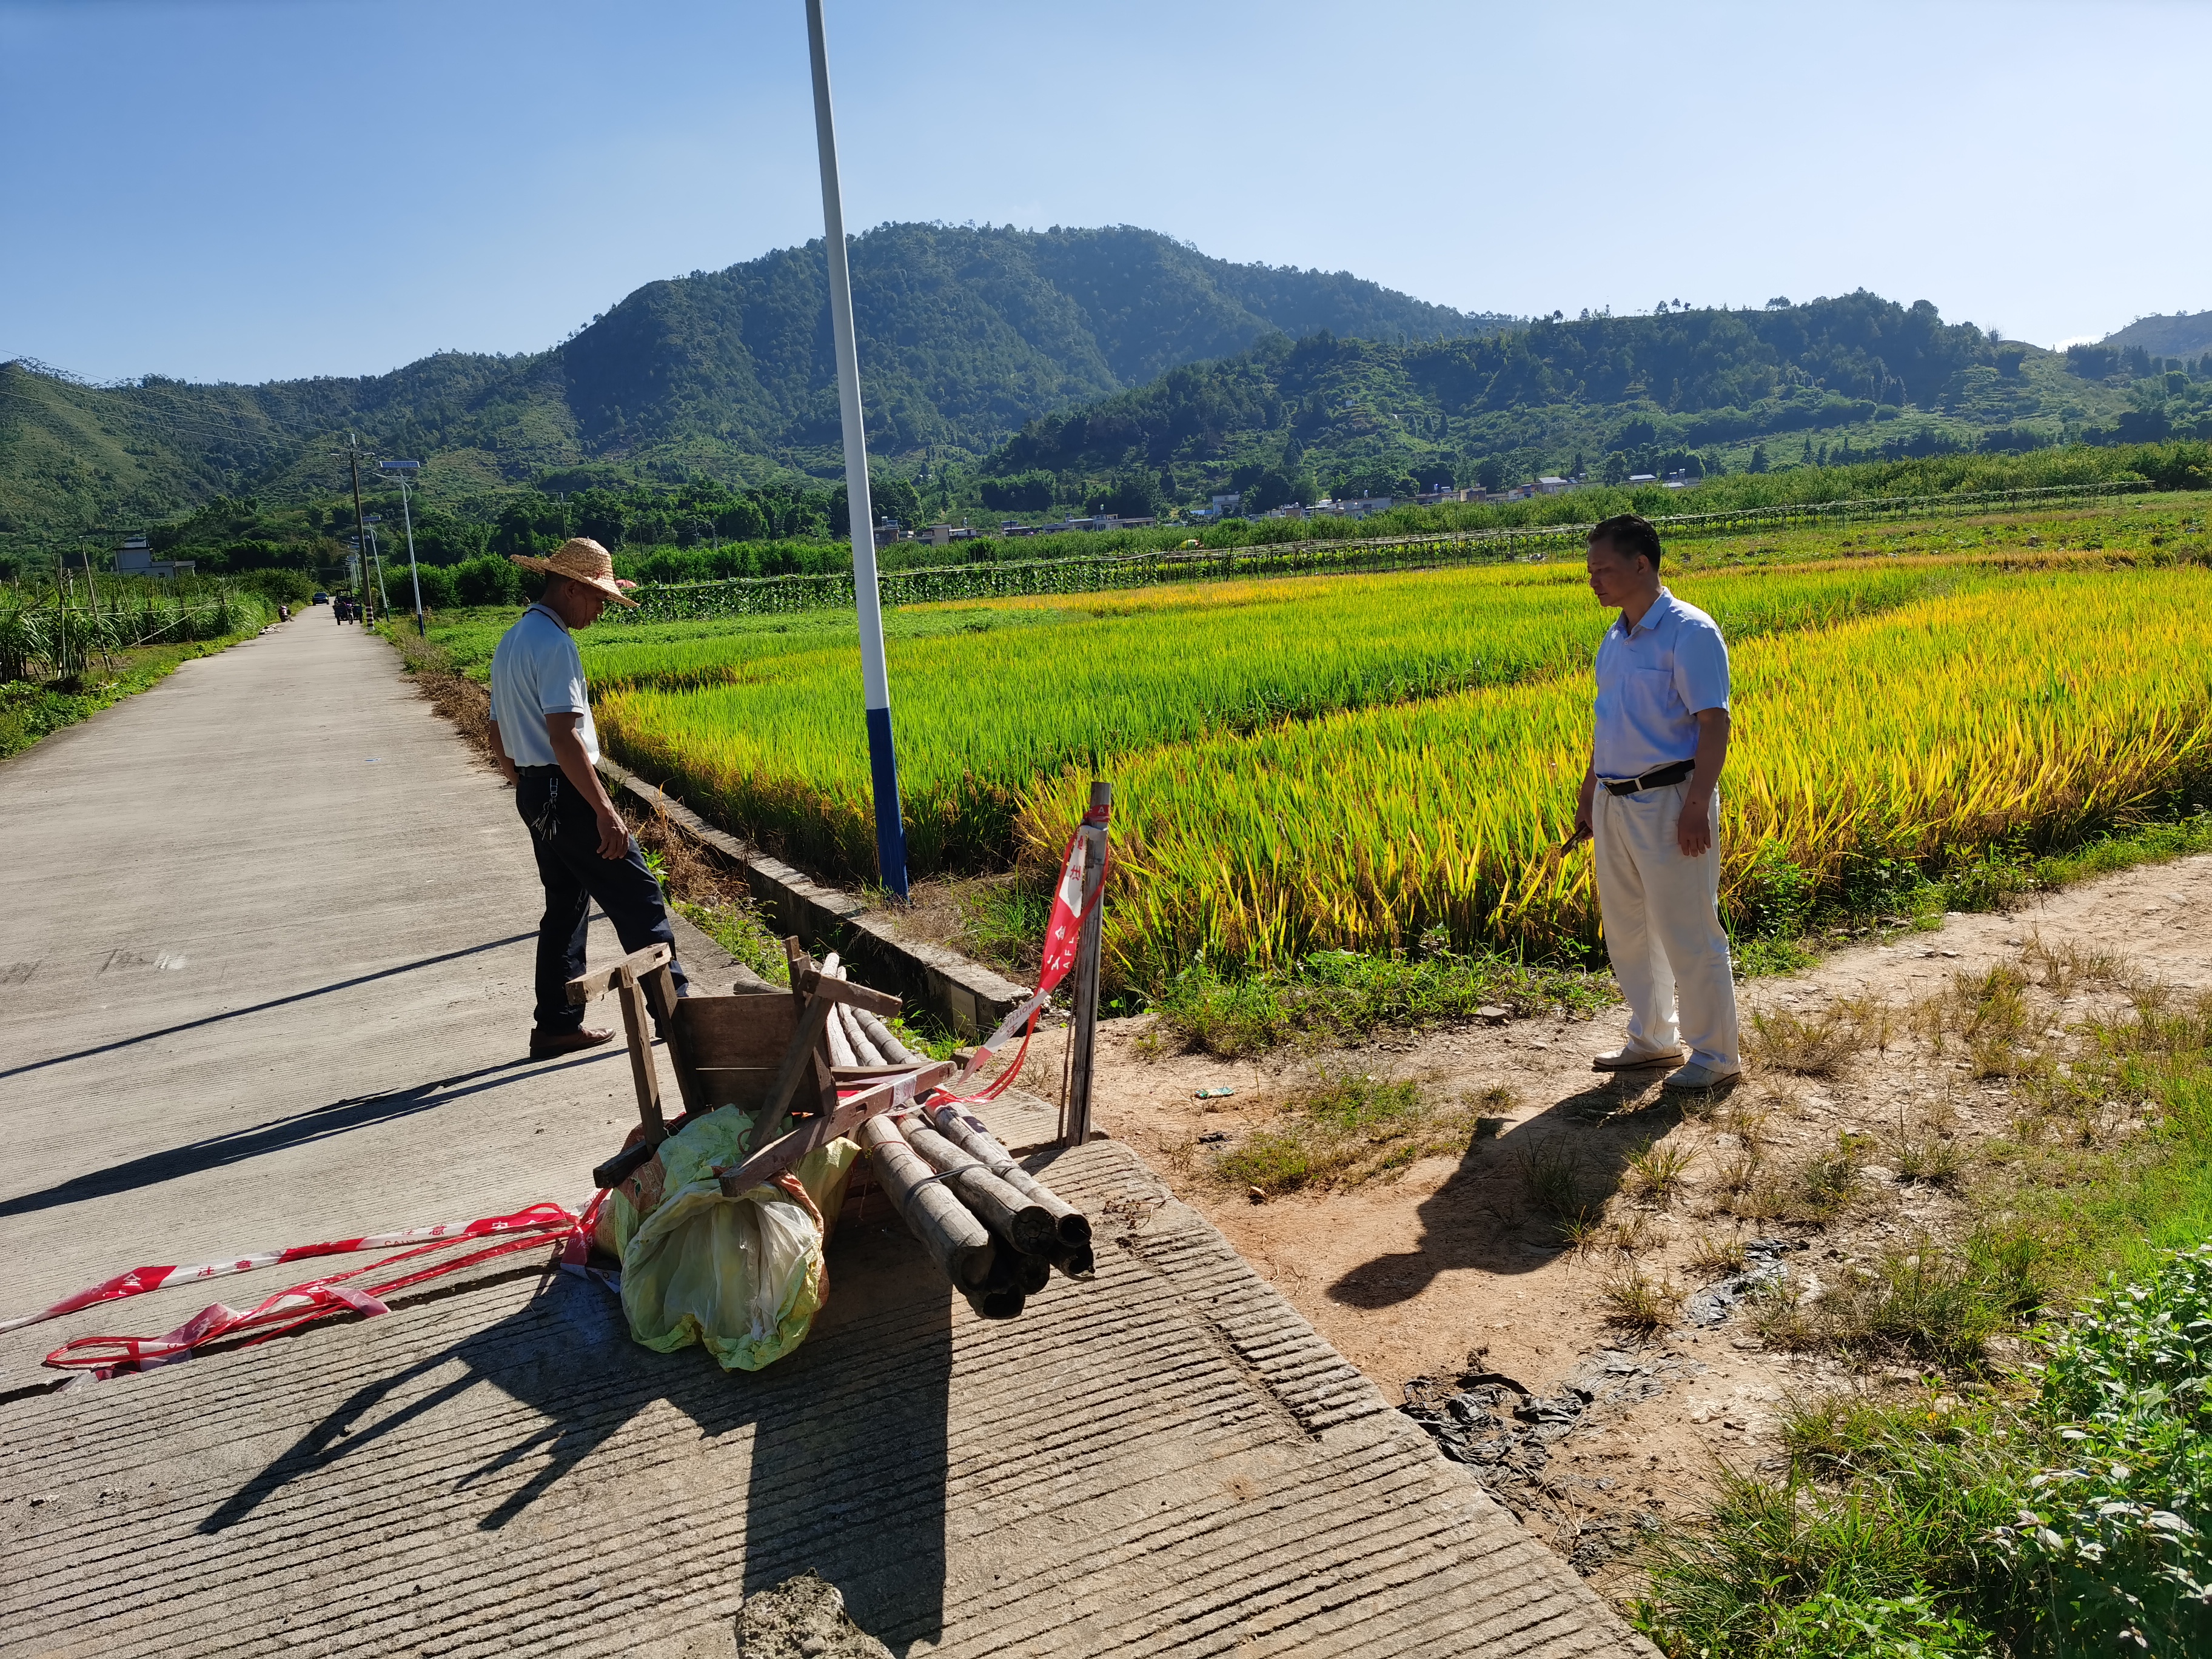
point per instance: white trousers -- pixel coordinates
(1662, 926)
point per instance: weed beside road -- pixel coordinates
(2069, 1516)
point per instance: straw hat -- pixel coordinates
(580, 559)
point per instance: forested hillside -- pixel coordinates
(965, 334)
(2187, 334)
(1854, 378)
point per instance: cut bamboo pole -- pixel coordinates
(1073, 1226)
(1031, 1272)
(894, 1052)
(1027, 1227)
(958, 1242)
(847, 1046)
(1075, 1260)
(841, 1046)
(1004, 1303)
(857, 1034)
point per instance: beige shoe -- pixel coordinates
(1631, 1060)
(1694, 1079)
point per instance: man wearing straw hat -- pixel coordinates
(1650, 801)
(542, 738)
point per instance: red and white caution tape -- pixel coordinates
(302, 1304)
(139, 1280)
(1079, 888)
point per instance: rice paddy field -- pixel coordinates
(1351, 762)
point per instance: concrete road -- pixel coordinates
(264, 979)
(266, 970)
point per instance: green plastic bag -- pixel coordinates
(743, 1276)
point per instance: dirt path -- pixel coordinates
(1451, 1267)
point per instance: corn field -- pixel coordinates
(42, 639)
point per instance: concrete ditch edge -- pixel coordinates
(967, 996)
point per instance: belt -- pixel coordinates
(1659, 780)
(537, 771)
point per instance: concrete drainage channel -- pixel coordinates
(967, 996)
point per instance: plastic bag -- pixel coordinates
(743, 1276)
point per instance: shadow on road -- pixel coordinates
(841, 1448)
(1482, 1216)
(274, 1002)
(316, 1124)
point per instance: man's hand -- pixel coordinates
(500, 757)
(614, 834)
(1585, 805)
(1694, 833)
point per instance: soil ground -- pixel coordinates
(1452, 1266)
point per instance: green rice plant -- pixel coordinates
(759, 729)
(2040, 710)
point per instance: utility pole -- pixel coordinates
(875, 682)
(360, 523)
(401, 469)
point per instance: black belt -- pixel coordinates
(1658, 779)
(537, 771)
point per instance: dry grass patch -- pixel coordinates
(1346, 1127)
(1815, 1045)
(1656, 1171)
(1636, 1301)
(1716, 1257)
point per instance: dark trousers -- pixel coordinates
(566, 838)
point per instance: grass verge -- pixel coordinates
(2069, 1517)
(1339, 996)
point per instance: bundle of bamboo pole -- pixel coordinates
(996, 1231)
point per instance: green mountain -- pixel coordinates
(1856, 377)
(2187, 334)
(965, 334)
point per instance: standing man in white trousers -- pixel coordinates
(1649, 801)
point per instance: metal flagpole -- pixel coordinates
(875, 683)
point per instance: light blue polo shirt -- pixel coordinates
(537, 670)
(1653, 680)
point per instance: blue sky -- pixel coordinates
(254, 188)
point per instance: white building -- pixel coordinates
(136, 558)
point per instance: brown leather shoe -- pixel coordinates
(543, 1046)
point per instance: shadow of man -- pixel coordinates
(1487, 1214)
(844, 1441)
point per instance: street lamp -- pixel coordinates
(403, 471)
